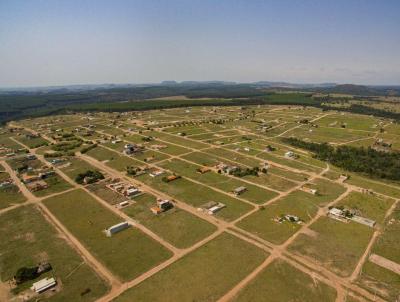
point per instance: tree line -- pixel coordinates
(376, 164)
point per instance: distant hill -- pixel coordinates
(361, 90)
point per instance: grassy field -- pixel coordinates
(55, 184)
(253, 194)
(301, 204)
(335, 245)
(31, 142)
(387, 244)
(380, 281)
(262, 223)
(197, 195)
(177, 140)
(127, 254)
(195, 137)
(106, 194)
(178, 227)
(76, 167)
(9, 195)
(370, 206)
(281, 282)
(203, 275)
(5, 141)
(27, 239)
(113, 159)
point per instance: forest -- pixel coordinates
(16, 105)
(375, 164)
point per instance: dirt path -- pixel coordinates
(277, 251)
(385, 263)
(80, 249)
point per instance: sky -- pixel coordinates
(46, 43)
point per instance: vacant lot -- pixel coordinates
(281, 282)
(337, 245)
(76, 166)
(178, 227)
(31, 142)
(198, 195)
(55, 184)
(264, 224)
(253, 194)
(105, 193)
(203, 275)
(28, 239)
(380, 281)
(9, 195)
(366, 205)
(113, 159)
(127, 254)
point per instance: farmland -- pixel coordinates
(200, 204)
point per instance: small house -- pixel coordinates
(29, 178)
(239, 190)
(131, 191)
(162, 206)
(155, 210)
(155, 173)
(290, 155)
(214, 209)
(124, 204)
(203, 170)
(30, 157)
(117, 228)
(37, 185)
(309, 190)
(43, 285)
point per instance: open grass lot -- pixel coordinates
(171, 149)
(177, 226)
(370, 206)
(380, 281)
(237, 157)
(150, 156)
(105, 193)
(5, 141)
(19, 161)
(31, 142)
(291, 163)
(205, 159)
(253, 194)
(9, 195)
(203, 275)
(301, 204)
(271, 180)
(27, 239)
(55, 184)
(336, 245)
(388, 188)
(281, 282)
(387, 244)
(198, 195)
(169, 138)
(113, 159)
(357, 122)
(75, 167)
(127, 254)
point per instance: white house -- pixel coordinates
(43, 285)
(117, 228)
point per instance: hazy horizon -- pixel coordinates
(60, 43)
